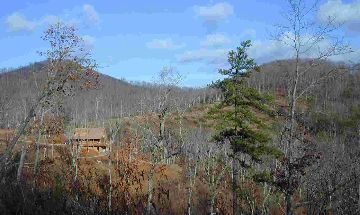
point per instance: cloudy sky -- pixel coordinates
(135, 39)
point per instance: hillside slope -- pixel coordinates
(118, 98)
(113, 97)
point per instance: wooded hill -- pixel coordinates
(119, 98)
(339, 91)
(327, 116)
(112, 98)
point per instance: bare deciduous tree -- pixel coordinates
(114, 129)
(307, 38)
(216, 164)
(169, 78)
(69, 66)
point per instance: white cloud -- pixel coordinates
(210, 56)
(215, 40)
(163, 44)
(269, 50)
(88, 41)
(341, 11)
(215, 13)
(262, 51)
(18, 22)
(265, 51)
(91, 13)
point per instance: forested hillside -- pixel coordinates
(111, 98)
(282, 137)
(329, 114)
(339, 92)
(118, 98)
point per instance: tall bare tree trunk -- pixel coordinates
(149, 207)
(74, 156)
(291, 137)
(234, 179)
(192, 180)
(22, 161)
(211, 204)
(20, 131)
(162, 118)
(52, 150)
(110, 178)
(37, 152)
(212, 184)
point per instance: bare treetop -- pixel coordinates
(307, 35)
(68, 59)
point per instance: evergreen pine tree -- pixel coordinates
(240, 117)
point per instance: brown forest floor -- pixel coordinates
(130, 169)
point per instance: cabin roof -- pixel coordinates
(89, 134)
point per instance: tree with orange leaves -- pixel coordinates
(69, 66)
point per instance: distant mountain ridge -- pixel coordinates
(117, 98)
(113, 98)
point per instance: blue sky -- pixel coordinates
(136, 39)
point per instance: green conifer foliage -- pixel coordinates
(240, 117)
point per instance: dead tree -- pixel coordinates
(306, 39)
(69, 66)
(114, 129)
(40, 130)
(75, 150)
(154, 146)
(216, 164)
(22, 161)
(194, 150)
(169, 78)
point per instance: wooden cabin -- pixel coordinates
(91, 138)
